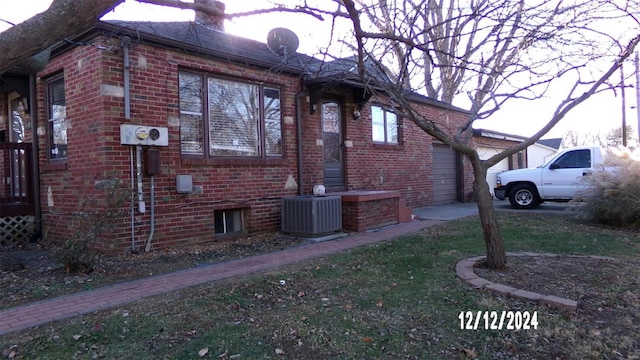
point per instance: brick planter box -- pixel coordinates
(366, 210)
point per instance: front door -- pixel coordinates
(332, 144)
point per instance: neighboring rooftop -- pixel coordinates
(498, 135)
(551, 143)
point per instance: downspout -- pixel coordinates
(126, 44)
(299, 139)
(34, 155)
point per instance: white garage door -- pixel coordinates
(444, 175)
(493, 171)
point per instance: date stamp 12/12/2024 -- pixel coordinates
(498, 320)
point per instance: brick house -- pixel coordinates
(228, 127)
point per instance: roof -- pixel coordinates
(204, 41)
(551, 143)
(498, 135)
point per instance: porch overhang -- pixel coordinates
(321, 86)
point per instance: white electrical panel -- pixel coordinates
(144, 135)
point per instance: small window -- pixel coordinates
(228, 221)
(57, 119)
(384, 126)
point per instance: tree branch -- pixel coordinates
(63, 18)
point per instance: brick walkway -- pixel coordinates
(41, 312)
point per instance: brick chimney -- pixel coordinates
(214, 21)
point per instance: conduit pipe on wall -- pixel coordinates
(125, 43)
(132, 207)
(141, 205)
(153, 214)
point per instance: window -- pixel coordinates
(226, 118)
(57, 116)
(574, 160)
(227, 221)
(384, 126)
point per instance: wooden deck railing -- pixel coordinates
(16, 179)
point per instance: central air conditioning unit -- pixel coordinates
(311, 216)
(144, 135)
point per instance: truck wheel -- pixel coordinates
(524, 196)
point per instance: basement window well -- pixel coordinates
(227, 221)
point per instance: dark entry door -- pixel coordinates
(332, 144)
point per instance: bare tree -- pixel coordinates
(611, 138)
(484, 53)
(65, 18)
(573, 138)
(614, 136)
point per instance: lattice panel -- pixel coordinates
(16, 230)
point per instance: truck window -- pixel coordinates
(574, 159)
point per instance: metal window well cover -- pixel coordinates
(311, 216)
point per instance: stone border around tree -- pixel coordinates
(464, 271)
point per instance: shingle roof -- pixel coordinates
(202, 40)
(552, 143)
(206, 41)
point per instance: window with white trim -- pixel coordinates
(228, 118)
(384, 126)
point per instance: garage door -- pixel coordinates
(493, 171)
(444, 175)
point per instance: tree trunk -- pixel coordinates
(496, 255)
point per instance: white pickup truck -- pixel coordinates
(557, 180)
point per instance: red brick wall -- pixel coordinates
(366, 215)
(95, 151)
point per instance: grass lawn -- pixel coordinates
(394, 300)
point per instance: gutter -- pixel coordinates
(35, 155)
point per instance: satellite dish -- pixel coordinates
(282, 41)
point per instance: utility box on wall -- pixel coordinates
(184, 184)
(144, 135)
(152, 162)
(311, 215)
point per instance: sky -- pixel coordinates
(600, 113)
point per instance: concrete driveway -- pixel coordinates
(460, 210)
